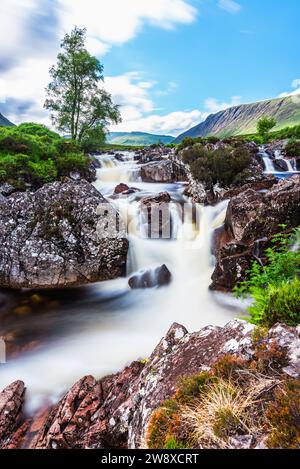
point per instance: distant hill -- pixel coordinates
(4, 121)
(243, 119)
(137, 138)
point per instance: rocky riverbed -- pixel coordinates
(113, 412)
(49, 241)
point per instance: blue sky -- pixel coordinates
(168, 63)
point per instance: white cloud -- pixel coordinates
(173, 123)
(25, 84)
(31, 31)
(26, 24)
(171, 88)
(295, 92)
(296, 83)
(111, 22)
(212, 105)
(137, 108)
(230, 6)
(131, 92)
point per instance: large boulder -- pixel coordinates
(163, 171)
(278, 206)
(156, 216)
(252, 219)
(158, 277)
(57, 237)
(114, 412)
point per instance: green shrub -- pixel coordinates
(264, 125)
(30, 128)
(225, 166)
(277, 304)
(283, 416)
(71, 162)
(275, 287)
(194, 152)
(12, 166)
(42, 172)
(212, 139)
(31, 153)
(172, 443)
(293, 147)
(93, 138)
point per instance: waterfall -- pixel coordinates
(278, 155)
(114, 171)
(291, 164)
(269, 165)
(110, 325)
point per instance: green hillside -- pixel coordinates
(241, 120)
(137, 138)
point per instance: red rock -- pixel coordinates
(121, 188)
(11, 401)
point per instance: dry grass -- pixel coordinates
(236, 398)
(226, 410)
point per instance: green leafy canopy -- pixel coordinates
(79, 106)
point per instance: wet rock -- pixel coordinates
(241, 210)
(158, 277)
(156, 216)
(280, 164)
(162, 171)
(252, 219)
(7, 189)
(11, 401)
(232, 263)
(123, 189)
(75, 176)
(95, 163)
(161, 198)
(56, 237)
(73, 416)
(280, 205)
(263, 185)
(114, 412)
(152, 153)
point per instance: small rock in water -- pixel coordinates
(75, 176)
(151, 278)
(121, 188)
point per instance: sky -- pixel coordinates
(167, 63)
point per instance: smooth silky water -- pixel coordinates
(107, 325)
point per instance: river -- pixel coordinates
(100, 328)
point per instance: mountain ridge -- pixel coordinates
(242, 119)
(4, 122)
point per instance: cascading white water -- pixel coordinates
(269, 165)
(115, 324)
(291, 164)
